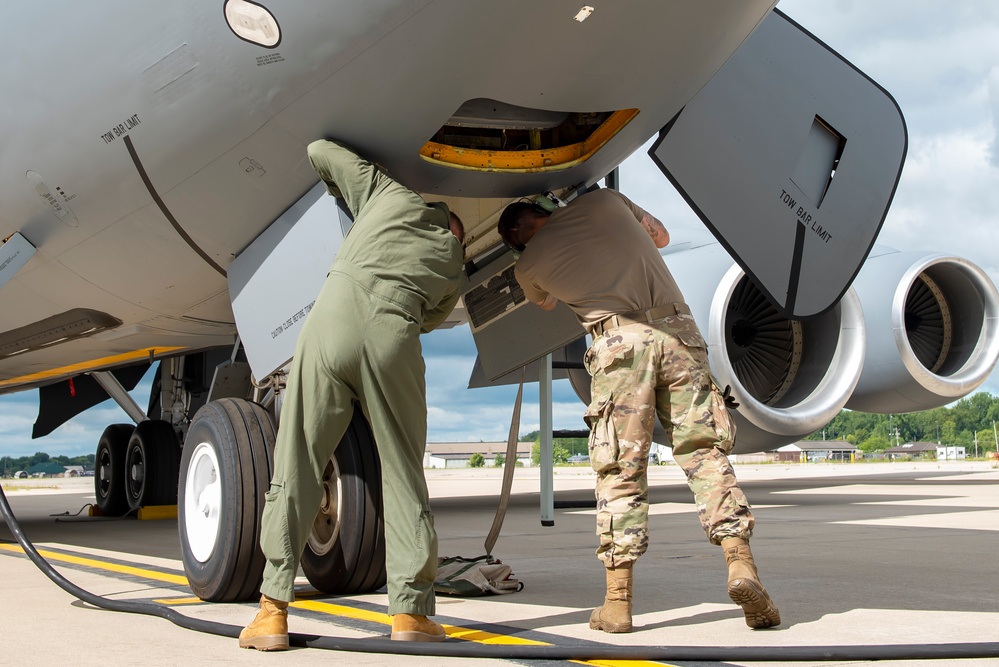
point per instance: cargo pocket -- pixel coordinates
(588, 359)
(275, 490)
(603, 446)
(424, 562)
(614, 355)
(724, 424)
(608, 354)
(275, 536)
(690, 335)
(740, 499)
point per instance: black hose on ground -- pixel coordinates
(460, 649)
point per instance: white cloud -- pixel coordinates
(993, 88)
(76, 437)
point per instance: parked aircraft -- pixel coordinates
(156, 204)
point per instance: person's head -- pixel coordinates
(454, 222)
(519, 222)
(457, 228)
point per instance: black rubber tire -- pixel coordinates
(152, 463)
(241, 435)
(109, 470)
(355, 562)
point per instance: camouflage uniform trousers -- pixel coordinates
(639, 370)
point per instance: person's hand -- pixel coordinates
(730, 402)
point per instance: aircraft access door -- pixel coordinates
(791, 156)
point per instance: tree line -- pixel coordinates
(971, 419)
(11, 464)
(972, 423)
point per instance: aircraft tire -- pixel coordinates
(225, 471)
(345, 552)
(152, 461)
(109, 470)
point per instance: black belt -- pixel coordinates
(650, 316)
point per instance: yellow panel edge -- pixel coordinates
(522, 162)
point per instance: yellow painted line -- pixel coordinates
(92, 365)
(100, 565)
(455, 631)
(173, 601)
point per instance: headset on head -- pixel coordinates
(544, 204)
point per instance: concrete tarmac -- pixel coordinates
(853, 554)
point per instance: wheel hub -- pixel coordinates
(104, 476)
(135, 478)
(202, 502)
(326, 527)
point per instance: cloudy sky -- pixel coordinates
(940, 61)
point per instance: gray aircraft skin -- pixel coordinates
(156, 201)
(103, 96)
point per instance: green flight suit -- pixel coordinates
(397, 275)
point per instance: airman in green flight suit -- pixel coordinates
(397, 275)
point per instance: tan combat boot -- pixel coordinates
(614, 615)
(416, 628)
(269, 630)
(744, 585)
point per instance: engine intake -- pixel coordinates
(932, 336)
(791, 377)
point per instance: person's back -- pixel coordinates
(397, 240)
(596, 258)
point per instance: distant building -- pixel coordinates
(912, 450)
(753, 457)
(664, 454)
(47, 469)
(813, 451)
(457, 454)
(950, 454)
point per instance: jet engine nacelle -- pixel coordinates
(931, 330)
(790, 377)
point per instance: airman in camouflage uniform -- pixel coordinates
(631, 366)
(647, 358)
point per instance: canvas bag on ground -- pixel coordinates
(468, 577)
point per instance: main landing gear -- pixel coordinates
(219, 480)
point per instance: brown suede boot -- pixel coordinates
(269, 630)
(614, 615)
(416, 628)
(744, 585)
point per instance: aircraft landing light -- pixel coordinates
(253, 23)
